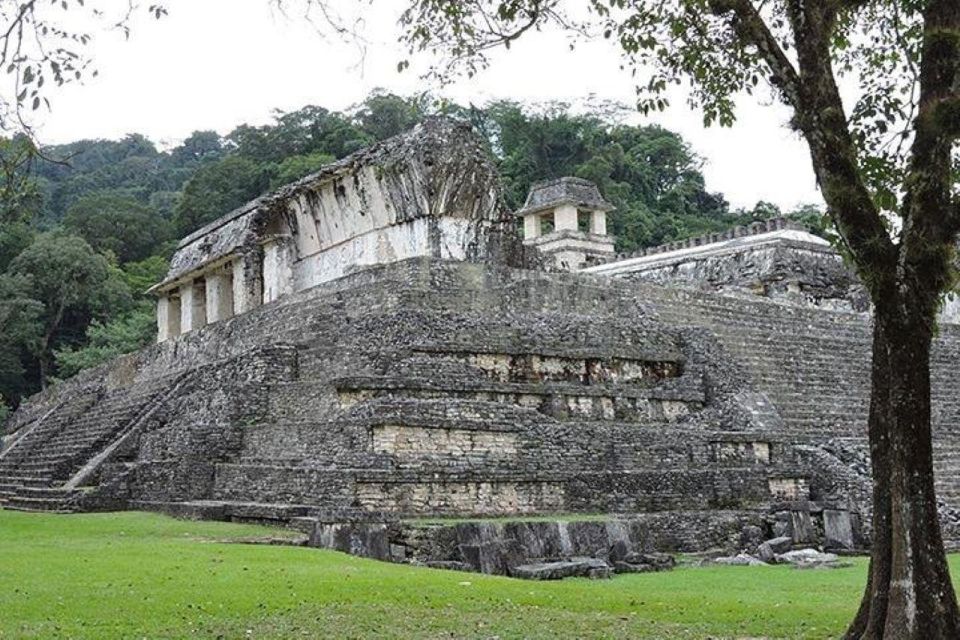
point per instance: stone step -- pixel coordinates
(21, 481)
(28, 471)
(24, 503)
(51, 493)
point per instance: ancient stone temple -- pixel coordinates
(383, 345)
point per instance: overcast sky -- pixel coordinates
(214, 64)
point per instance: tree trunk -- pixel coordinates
(909, 594)
(44, 357)
(44, 370)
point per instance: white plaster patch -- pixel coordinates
(673, 410)
(741, 451)
(405, 441)
(462, 497)
(789, 488)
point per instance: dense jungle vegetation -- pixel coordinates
(86, 227)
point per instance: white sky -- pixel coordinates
(214, 64)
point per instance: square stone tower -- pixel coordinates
(566, 220)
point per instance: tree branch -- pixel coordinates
(930, 220)
(820, 115)
(750, 27)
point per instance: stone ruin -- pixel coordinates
(381, 356)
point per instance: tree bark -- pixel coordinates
(44, 356)
(869, 620)
(909, 594)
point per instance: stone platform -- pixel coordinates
(430, 388)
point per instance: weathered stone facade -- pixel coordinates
(430, 192)
(775, 258)
(460, 384)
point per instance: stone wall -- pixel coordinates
(774, 259)
(687, 531)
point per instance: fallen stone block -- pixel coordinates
(574, 567)
(449, 565)
(769, 549)
(629, 567)
(834, 564)
(619, 551)
(741, 559)
(803, 530)
(809, 559)
(659, 561)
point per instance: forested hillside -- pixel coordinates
(88, 226)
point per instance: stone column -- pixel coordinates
(193, 307)
(565, 218)
(277, 269)
(598, 223)
(163, 318)
(531, 226)
(168, 317)
(186, 307)
(247, 283)
(219, 293)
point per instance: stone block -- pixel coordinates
(574, 567)
(448, 565)
(780, 545)
(741, 559)
(837, 530)
(588, 537)
(619, 551)
(769, 549)
(802, 527)
(358, 539)
(652, 561)
(628, 567)
(495, 558)
(808, 558)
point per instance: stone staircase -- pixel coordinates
(946, 470)
(814, 365)
(40, 470)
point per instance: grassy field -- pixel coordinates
(136, 575)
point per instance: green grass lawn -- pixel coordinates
(137, 575)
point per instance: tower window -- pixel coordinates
(584, 218)
(546, 223)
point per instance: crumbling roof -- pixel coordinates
(437, 168)
(547, 194)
